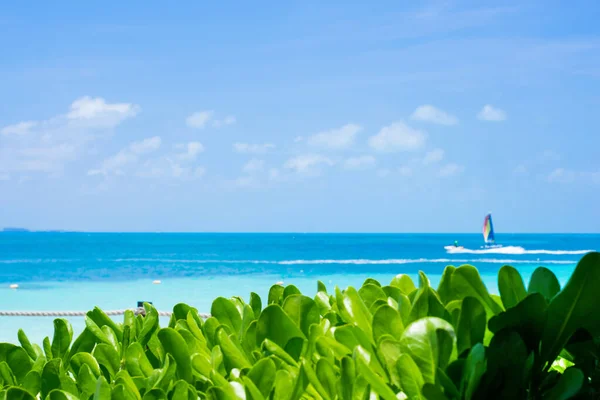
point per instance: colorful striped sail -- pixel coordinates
(488, 229)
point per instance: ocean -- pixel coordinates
(77, 271)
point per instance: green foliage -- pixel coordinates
(400, 341)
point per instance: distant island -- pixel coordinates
(10, 229)
(13, 229)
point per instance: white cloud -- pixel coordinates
(96, 112)
(47, 146)
(18, 129)
(490, 113)
(199, 119)
(563, 175)
(145, 146)
(298, 139)
(115, 165)
(397, 137)
(247, 148)
(308, 163)
(274, 174)
(189, 151)
(450, 170)
(4, 176)
(429, 113)
(229, 120)
(520, 170)
(433, 156)
(254, 165)
(405, 170)
(335, 139)
(362, 162)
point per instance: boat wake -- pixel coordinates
(514, 250)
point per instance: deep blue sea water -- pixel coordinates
(76, 271)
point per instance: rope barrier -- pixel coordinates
(136, 311)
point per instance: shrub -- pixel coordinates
(389, 342)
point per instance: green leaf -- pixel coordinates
(431, 342)
(6, 374)
(272, 348)
(312, 378)
(32, 382)
(50, 377)
(432, 392)
(95, 330)
(353, 310)
(576, 306)
(155, 394)
(108, 358)
(101, 319)
(175, 345)
(85, 343)
(263, 375)
(411, 379)
(569, 385)
(79, 359)
(474, 368)
(404, 283)
(376, 381)
(467, 282)
(302, 310)
(544, 281)
(57, 394)
(149, 326)
(471, 324)
(256, 304)
(275, 295)
(103, 390)
(136, 362)
(16, 359)
(290, 290)
(511, 286)
(283, 385)
(47, 348)
(252, 392)
(527, 318)
(387, 321)
(445, 286)
(232, 355)
(347, 378)
(17, 393)
(86, 381)
(327, 376)
(370, 293)
(274, 324)
(27, 345)
(226, 313)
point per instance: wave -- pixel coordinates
(353, 261)
(331, 261)
(514, 250)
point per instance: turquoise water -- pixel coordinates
(77, 271)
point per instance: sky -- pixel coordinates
(300, 116)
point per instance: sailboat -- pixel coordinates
(488, 232)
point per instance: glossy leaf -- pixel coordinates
(575, 307)
(411, 379)
(569, 384)
(511, 286)
(274, 324)
(471, 324)
(404, 283)
(544, 281)
(175, 345)
(431, 342)
(467, 282)
(445, 286)
(302, 310)
(387, 321)
(226, 313)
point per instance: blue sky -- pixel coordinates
(300, 116)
